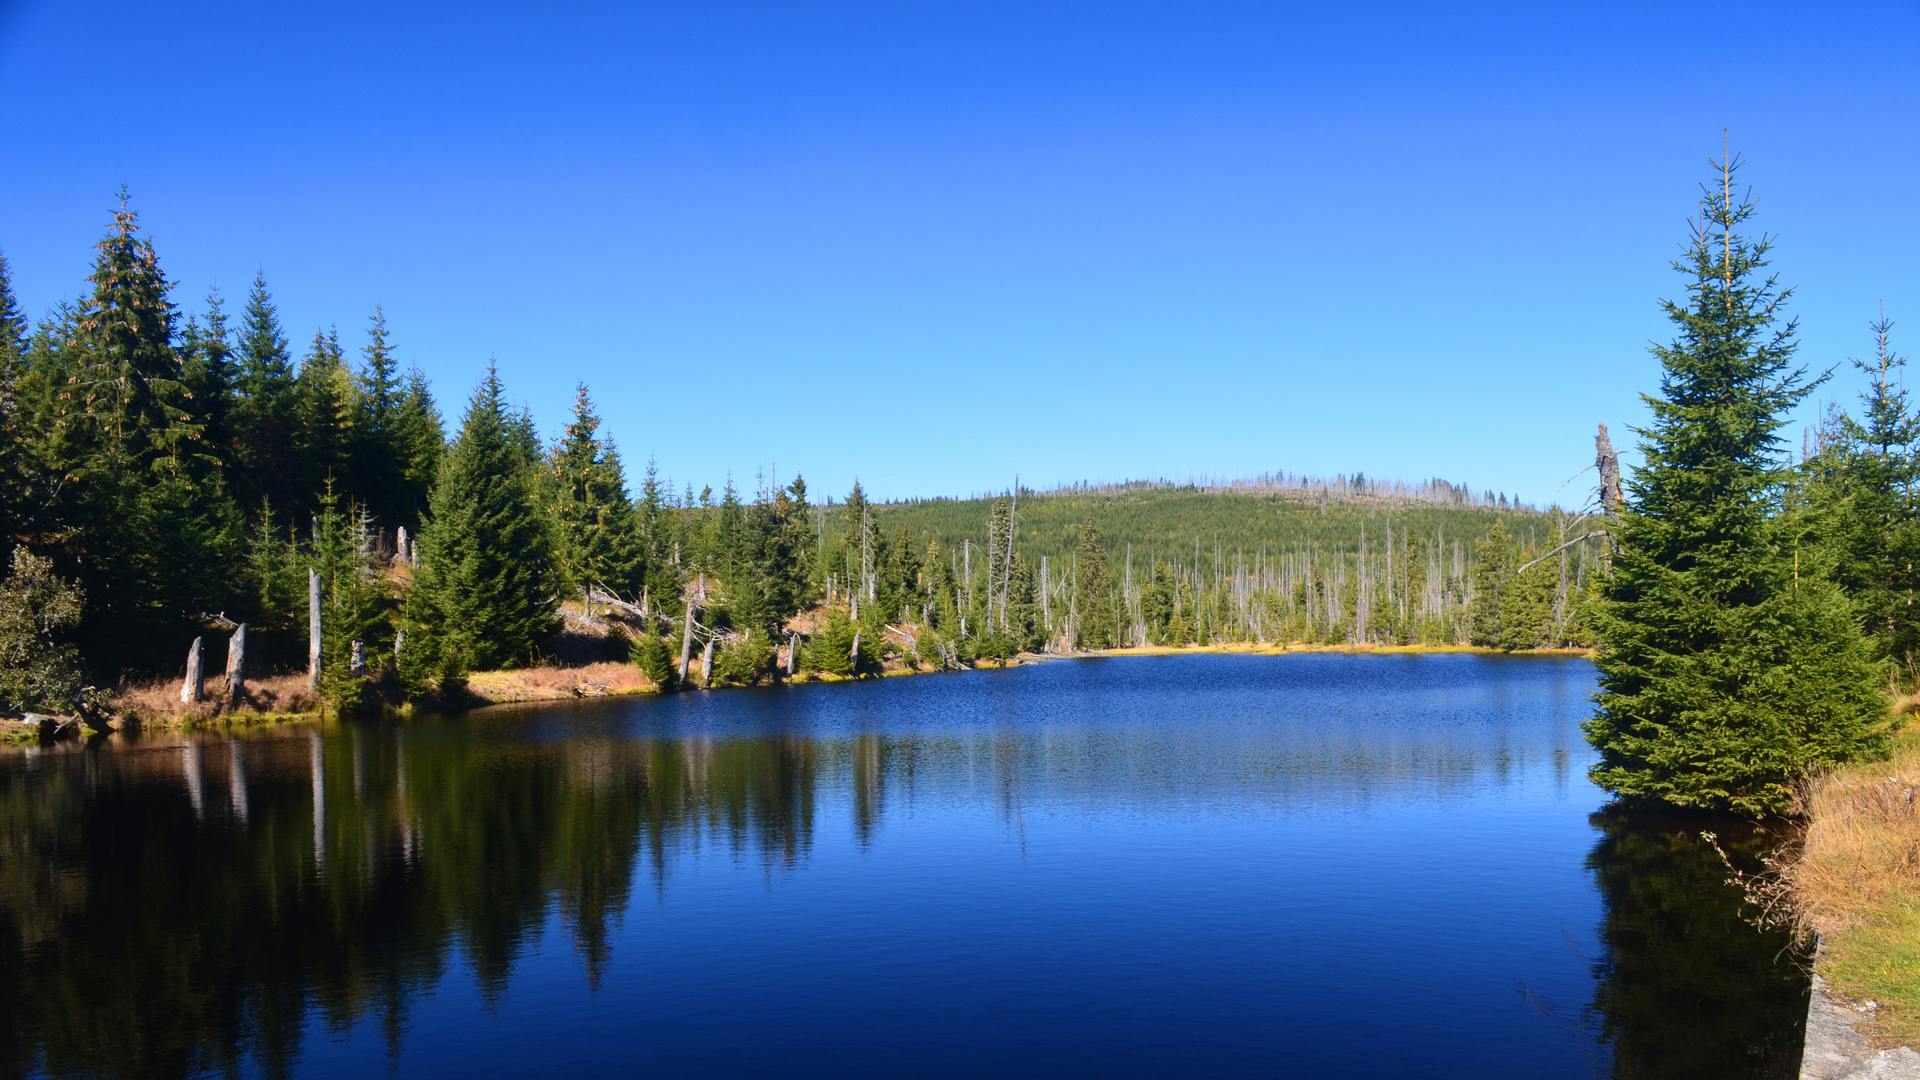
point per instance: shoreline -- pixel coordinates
(524, 686)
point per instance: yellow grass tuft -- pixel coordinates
(1857, 883)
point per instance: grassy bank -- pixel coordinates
(1857, 884)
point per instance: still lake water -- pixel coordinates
(1311, 865)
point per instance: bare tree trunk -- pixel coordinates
(793, 650)
(1608, 463)
(686, 642)
(236, 665)
(853, 660)
(706, 667)
(313, 631)
(191, 686)
(399, 641)
(357, 663)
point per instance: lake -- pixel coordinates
(1311, 865)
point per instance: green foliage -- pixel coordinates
(586, 500)
(37, 670)
(742, 661)
(1724, 674)
(351, 601)
(486, 590)
(830, 650)
(654, 657)
(1093, 622)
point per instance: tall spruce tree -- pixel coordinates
(1857, 502)
(1724, 675)
(267, 412)
(13, 452)
(1093, 626)
(325, 394)
(377, 453)
(207, 373)
(593, 522)
(421, 442)
(487, 589)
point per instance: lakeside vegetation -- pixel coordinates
(167, 477)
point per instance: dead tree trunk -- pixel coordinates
(793, 650)
(313, 631)
(1608, 463)
(706, 667)
(236, 666)
(853, 659)
(357, 662)
(191, 686)
(686, 642)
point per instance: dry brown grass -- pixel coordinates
(556, 683)
(160, 699)
(1857, 883)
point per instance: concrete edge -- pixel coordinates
(1837, 1050)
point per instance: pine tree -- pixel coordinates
(486, 590)
(1724, 676)
(1093, 626)
(325, 394)
(420, 442)
(208, 373)
(593, 525)
(378, 454)
(267, 414)
(1859, 509)
(13, 451)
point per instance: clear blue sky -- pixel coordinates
(935, 245)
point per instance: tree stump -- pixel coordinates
(313, 631)
(194, 683)
(236, 665)
(706, 667)
(357, 660)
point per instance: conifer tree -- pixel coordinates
(486, 590)
(378, 455)
(1724, 675)
(421, 442)
(266, 415)
(1858, 505)
(1092, 591)
(326, 392)
(13, 451)
(207, 373)
(594, 542)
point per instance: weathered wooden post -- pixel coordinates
(236, 665)
(706, 667)
(357, 661)
(191, 686)
(313, 631)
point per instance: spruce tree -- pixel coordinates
(1857, 506)
(208, 373)
(266, 415)
(1724, 675)
(326, 406)
(378, 456)
(593, 526)
(13, 450)
(486, 590)
(1093, 626)
(421, 442)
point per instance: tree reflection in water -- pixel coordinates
(1681, 990)
(177, 905)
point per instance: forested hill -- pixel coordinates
(1177, 522)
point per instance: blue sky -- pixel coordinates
(935, 245)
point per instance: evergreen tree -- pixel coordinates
(1857, 505)
(325, 394)
(379, 455)
(351, 599)
(1724, 676)
(267, 413)
(208, 374)
(1093, 626)
(486, 590)
(421, 443)
(13, 451)
(593, 525)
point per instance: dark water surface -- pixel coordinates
(1319, 865)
